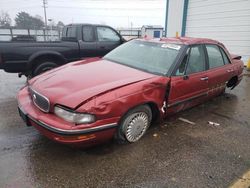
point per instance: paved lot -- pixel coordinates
(173, 154)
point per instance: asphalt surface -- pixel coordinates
(172, 154)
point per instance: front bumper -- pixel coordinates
(58, 130)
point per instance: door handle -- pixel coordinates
(102, 47)
(204, 78)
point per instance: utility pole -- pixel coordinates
(166, 18)
(45, 2)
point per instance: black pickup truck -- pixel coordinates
(78, 41)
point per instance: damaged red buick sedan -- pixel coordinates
(120, 95)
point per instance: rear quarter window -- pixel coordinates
(225, 57)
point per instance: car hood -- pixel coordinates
(75, 83)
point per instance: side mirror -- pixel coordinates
(123, 40)
(185, 77)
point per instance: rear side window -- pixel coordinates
(88, 34)
(215, 58)
(71, 32)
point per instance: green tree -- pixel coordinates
(5, 20)
(59, 25)
(25, 21)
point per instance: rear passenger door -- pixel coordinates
(189, 85)
(88, 44)
(219, 69)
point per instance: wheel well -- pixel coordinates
(48, 57)
(155, 111)
(232, 82)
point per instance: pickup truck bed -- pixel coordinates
(78, 41)
(17, 56)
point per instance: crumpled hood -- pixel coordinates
(74, 83)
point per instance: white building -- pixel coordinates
(225, 20)
(154, 31)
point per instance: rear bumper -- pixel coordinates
(56, 129)
(14, 67)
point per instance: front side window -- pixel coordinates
(193, 61)
(107, 34)
(214, 56)
(150, 57)
(88, 34)
(196, 60)
(182, 68)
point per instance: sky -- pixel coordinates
(116, 13)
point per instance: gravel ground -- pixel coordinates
(172, 154)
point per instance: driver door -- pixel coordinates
(189, 85)
(107, 40)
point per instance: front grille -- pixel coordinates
(39, 100)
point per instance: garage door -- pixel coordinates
(226, 20)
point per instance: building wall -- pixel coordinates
(150, 32)
(143, 32)
(175, 14)
(226, 20)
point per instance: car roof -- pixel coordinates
(81, 24)
(183, 40)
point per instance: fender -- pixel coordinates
(46, 53)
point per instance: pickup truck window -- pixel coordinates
(71, 32)
(214, 56)
(88, 34)
(107, 34)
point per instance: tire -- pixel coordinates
(134, 125)
(43, 67)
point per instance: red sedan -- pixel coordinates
(120, 95)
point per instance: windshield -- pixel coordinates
(151, 57)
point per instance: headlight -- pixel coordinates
(74, 117)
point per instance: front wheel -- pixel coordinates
(43, 67)
(134, 124)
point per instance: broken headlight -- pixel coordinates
(73, 117)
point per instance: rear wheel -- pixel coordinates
(43, 67)
(232, 82)
(134, 124)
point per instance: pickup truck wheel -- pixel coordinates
(43, 67)
(134, 124)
